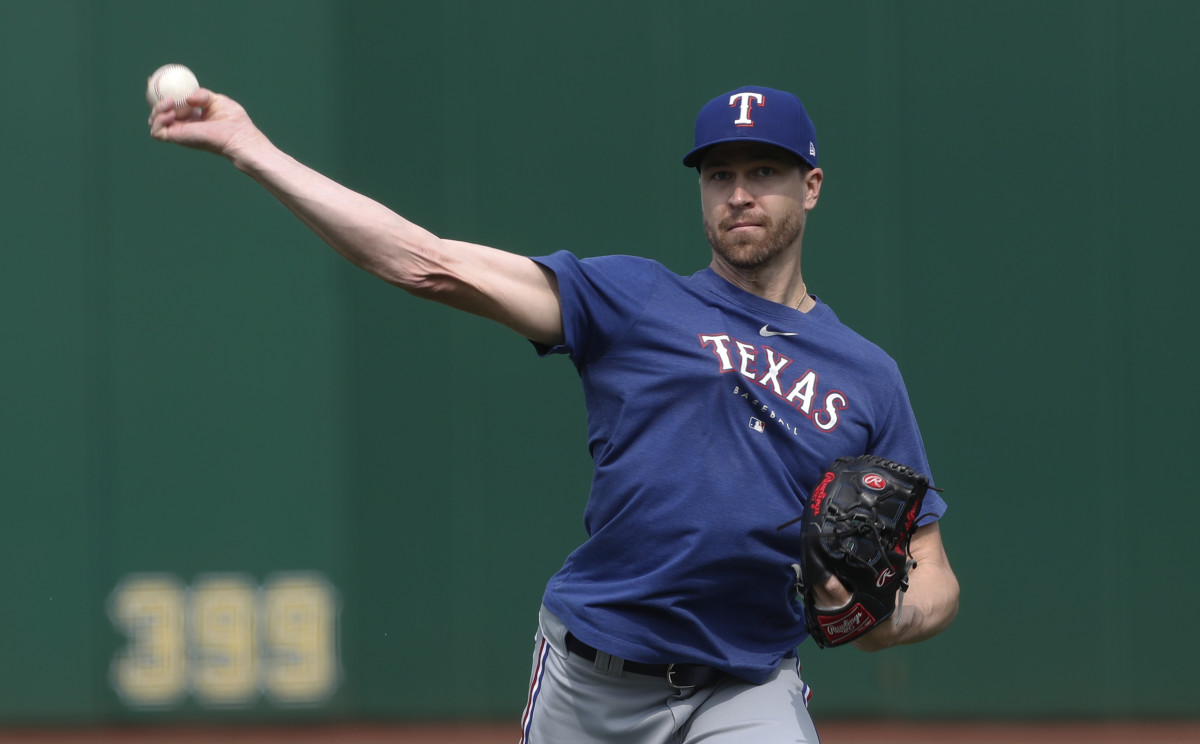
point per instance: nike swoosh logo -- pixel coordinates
(766, 332)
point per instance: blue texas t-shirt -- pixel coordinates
(712, 414)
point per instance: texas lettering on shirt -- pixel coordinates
(768, 368)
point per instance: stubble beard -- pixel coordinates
(750, 251)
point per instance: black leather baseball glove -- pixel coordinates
(857, 526)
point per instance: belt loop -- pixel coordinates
(608, 664)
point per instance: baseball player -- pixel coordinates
(715, 401)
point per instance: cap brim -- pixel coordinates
(693, 158)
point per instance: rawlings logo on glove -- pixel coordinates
(857, 526)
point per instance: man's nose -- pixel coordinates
(740, 196)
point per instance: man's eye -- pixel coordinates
(720, 175)
(766, 170)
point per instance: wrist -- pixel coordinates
(251, 154)
(890, 632)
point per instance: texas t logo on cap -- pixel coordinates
(755, 114)
(744, 101)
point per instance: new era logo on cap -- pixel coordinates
(756, 114)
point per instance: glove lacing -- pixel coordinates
(850, 524)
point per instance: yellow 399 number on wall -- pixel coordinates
(224, 640)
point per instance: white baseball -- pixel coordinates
(175, 82)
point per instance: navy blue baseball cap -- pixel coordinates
(755, 114)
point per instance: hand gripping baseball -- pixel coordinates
(217, 124)
(857, 527)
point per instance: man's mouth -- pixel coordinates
(743, 223)
(742, 226)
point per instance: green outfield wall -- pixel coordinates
(243, 481)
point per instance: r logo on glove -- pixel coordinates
(857, 526)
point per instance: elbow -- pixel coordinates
(421, 285)
(946, 608)
(418, 269)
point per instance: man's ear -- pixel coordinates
(812, 184)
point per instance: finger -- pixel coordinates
(836, 588)
(162, 117)
(201, 98)
(160, 109)
(832, 594)
(161, 122)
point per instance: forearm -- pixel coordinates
(929, 605)
(927, 609)
(362, 230)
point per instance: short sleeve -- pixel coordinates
(600, 297)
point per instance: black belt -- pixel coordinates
(680, 676)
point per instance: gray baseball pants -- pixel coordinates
(576, 701)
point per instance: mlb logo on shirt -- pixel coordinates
(757, 425)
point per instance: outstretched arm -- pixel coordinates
(508, 288)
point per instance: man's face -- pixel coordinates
(755, 199)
